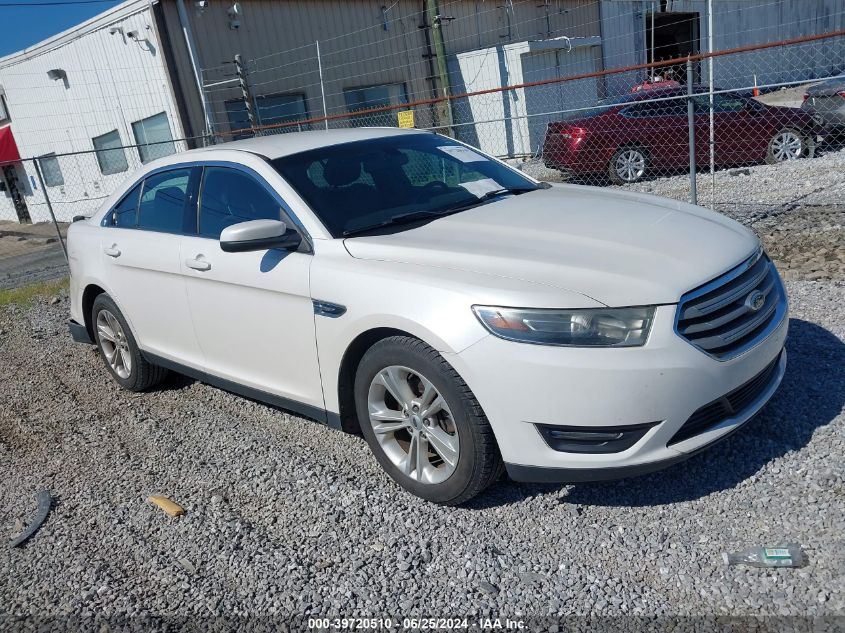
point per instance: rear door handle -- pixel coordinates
(112, 251)
(198, 264)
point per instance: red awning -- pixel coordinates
(8, 147)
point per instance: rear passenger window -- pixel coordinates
(674, 107)
(230, 196)
(164, 203)
(126, 211)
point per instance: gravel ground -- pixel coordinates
(285, 516)
(745, 193)
(30, 253)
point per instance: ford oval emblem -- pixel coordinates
(755, 300)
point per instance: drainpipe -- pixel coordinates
(192, 54)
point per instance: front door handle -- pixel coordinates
(198, 264)
(112, 251)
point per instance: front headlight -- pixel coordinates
(591, 327)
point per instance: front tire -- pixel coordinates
(789, 144)
(119, 350)
(422, 422)
(628, 165)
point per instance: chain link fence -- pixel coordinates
(771, 103)
(751, 131)
(589, 116)
(39, 197)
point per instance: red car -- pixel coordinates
(646, 133)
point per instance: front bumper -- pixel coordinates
(662, 383)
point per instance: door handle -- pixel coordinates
(112, 251)
(198, 264)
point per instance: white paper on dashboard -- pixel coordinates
(463, 154)
(479, 187)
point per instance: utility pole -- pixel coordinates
(435, 21)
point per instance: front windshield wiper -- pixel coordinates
(402, 218)
(500, 192)
(406, 218)
(487, 197)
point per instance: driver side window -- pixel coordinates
(721, 103)
(229, 196)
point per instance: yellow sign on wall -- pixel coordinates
(406, 118)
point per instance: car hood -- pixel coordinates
(827, 88)
(618, 248)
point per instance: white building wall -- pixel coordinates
(513, 122)
(112, 81)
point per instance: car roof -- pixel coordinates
(657, 92)
(278, 145)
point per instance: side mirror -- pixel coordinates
(258, 235)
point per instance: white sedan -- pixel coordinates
(464, 317)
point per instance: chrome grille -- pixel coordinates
(735, 311)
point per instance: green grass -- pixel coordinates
(26, 295)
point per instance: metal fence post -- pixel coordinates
(712, 138)
(322, 85)
(37, 164)
(693, 195)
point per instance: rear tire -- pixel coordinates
(447, 456)
(628, 165)
(119, 350)
(789, 144)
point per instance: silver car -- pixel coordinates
(826, 102)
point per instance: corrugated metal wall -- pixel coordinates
(735, 23)
(361, 44)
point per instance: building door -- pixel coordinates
(671, 36)
(551, 102)
(13, 186)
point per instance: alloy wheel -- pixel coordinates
(413, 424)
(630, 165)
(114, 344)
(787, 146)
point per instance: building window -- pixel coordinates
(153, 137)
(4, 112)
(51, 170)
(270, 110)
(110, 154)
(374, 97)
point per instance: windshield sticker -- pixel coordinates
(463, 154)
(480, 187)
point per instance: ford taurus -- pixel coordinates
(466, 319)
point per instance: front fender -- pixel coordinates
(431, 304)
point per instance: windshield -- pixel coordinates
(355, 186)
